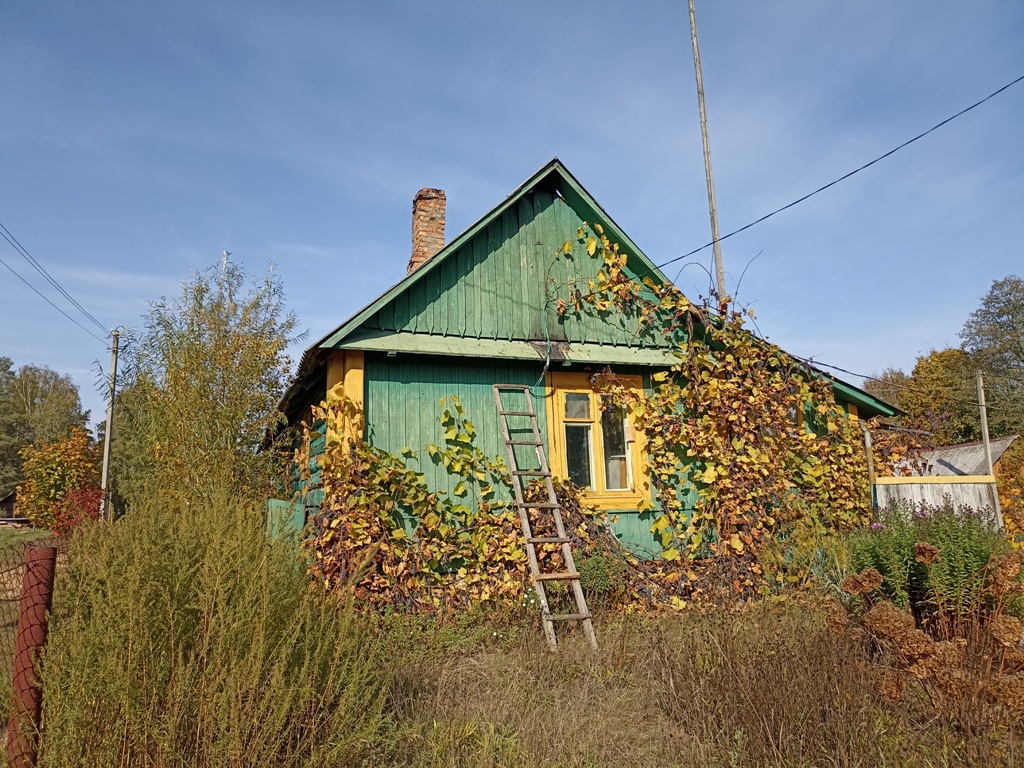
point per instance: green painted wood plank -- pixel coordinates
(425, 344)
(524, 219)
(554, 173)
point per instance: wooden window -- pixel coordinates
(593, 442)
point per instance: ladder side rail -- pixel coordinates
(539, 448)
(567, 557)
(524, 522)
(571, 573)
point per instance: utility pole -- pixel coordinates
(988, 446)
(105, 512)
(716, 244)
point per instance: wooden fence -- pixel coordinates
(975, 491)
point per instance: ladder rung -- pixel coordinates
(532, 472)
(517, 413)
(549, 540)
(557, 576)
(540, 505)
(524, 442)
(569, 617)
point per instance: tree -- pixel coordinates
(60, 485)
(994, 337)
(890, 386)
(208, 372)
(10, 445)
(37, 405)
(47, 403)
(943, 394)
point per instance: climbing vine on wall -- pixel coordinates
(754, 434)
(464, 548)
(757, 433)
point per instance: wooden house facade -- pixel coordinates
(480, 311)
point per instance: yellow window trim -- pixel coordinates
(345, 369)
(557, 385)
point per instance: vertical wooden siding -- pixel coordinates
(403, 407)
(493, 287)
(403, 411)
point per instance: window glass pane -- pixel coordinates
(577, 405)
(578, 454)
(616, 455)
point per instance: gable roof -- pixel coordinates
(395, 320)
(484, 294)
(565, 185)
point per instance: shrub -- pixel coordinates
(941, 589)
(61, 485)
(189, 639)
(936, 593)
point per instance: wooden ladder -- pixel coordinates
(551, 506)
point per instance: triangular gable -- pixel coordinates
(489, 282)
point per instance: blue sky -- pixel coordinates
(139, 140)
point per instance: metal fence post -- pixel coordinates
(36, 599)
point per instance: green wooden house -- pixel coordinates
(477, 311)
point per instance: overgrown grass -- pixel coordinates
(12, 536)
(766, 686)
(187, 639)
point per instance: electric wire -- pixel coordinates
(47, 300)
(14, 243)
(843, 177)
(894, 385)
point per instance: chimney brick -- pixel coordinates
(427, 226)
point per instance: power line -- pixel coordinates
(44, 298)
(845, 176)
(13, 241)
(894, 385)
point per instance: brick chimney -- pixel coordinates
(427, 226)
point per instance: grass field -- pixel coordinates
(19, 536)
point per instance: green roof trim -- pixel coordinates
(458, 346)
(868, 405)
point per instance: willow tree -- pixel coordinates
(206, 372)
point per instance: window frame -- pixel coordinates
(558, 385)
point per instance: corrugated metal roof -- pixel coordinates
(965, 458)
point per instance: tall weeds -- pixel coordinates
(189, 639)
(765, 686)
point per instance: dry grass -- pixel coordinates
(768, 686)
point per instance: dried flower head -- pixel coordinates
(1006, 630)
(926, 553)
(891, 683)
(863, 583)
(1004, 570)
(888, 621)
(1008, 690)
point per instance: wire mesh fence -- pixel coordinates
(12, 578)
